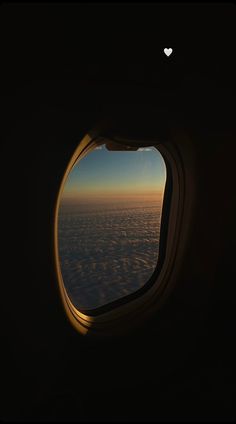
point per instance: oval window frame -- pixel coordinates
(124, 314)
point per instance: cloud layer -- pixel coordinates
(107, 252)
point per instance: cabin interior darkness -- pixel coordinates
(65, 68)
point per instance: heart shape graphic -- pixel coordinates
(168, 51)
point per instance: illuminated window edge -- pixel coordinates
(117, 320)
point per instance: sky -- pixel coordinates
(122, 175)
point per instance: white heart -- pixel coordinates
(168, 51)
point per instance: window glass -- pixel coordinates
(109, 224)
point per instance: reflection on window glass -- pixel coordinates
(109, 224)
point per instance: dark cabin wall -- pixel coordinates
(184, 354)
(181, 364)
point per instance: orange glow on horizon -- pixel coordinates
(113, 196)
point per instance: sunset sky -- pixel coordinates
(103, 175)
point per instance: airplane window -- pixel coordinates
(109, 224)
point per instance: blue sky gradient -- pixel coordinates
(104, 172)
